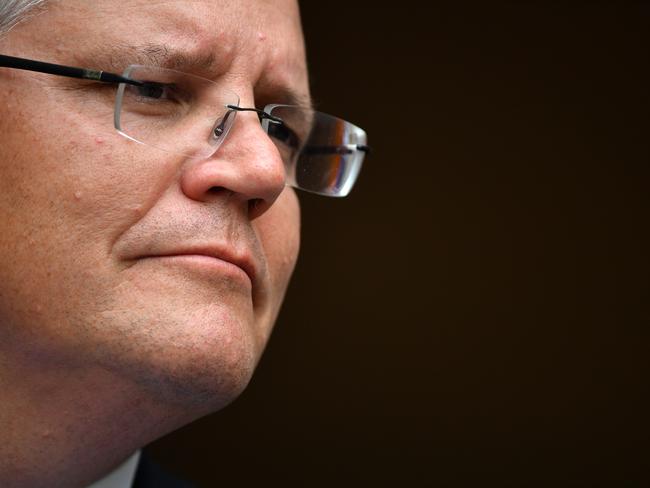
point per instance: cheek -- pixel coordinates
(65, 168)
(279, 232)
(69, 186)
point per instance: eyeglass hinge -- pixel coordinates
(261, 113)
(91, 74)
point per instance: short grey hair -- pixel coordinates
(14, 11)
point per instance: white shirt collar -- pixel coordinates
(120, 477)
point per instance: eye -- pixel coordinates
(156, 91)
(281, 132)
(151, 90)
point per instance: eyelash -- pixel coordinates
(167, 93)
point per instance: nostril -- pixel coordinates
(216, 190)
(253, 204)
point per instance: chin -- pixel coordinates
(200, 364)
(198, 386)
(176, 339)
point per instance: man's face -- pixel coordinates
(164, 271)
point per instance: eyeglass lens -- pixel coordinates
(187, 114)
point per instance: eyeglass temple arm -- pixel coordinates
(342, 149)
(60, 70)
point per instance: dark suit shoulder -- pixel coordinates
(151, 475)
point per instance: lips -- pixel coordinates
(242, 260)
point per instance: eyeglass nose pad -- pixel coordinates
(222, 126)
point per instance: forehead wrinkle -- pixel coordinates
(221, 46)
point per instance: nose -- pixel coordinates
(246, 166)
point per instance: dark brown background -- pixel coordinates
(476, 312)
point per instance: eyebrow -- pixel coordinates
(117, 57)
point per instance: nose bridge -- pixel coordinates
(249, 145)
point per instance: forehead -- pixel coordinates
(253, 41)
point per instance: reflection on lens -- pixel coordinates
(329, 160)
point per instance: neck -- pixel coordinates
(67, 427)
